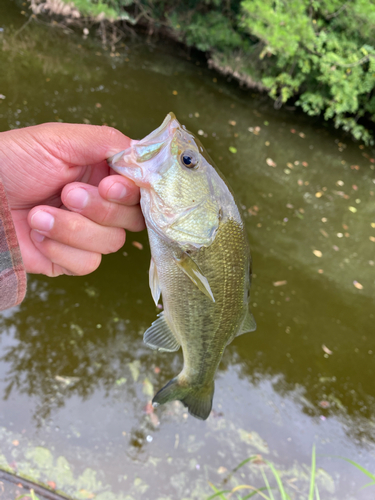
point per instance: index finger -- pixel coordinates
(79, 144)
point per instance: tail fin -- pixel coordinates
(198, 399)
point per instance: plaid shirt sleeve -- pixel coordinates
(12, 271)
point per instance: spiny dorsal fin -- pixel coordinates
(160, 337)
(191, 269)
(154, 282)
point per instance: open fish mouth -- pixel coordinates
(129, 162)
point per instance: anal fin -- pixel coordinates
(160, 337)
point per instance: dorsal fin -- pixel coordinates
(160, 337)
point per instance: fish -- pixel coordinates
(200, 257)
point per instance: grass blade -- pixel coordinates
(256, 491)
(217, 493)
(317, 496)
(312, 477)
(362, 469)
(284, 495)
(244, 462)
(267, 484)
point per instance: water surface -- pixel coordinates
(75, 376)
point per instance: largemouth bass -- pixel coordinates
(200, 260)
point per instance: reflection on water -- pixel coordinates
(75, 377)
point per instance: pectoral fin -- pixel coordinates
(191, 269)
(154, 282)
(160, 337)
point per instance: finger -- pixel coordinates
(75, 230)
(119, 189)
(86, 200)
(78, 144)
(64, 259)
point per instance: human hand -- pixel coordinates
(66, 208)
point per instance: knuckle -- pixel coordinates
(116, 241)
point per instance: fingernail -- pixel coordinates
(116, 192)
(77, 198)
(42, 221)
(37, 236)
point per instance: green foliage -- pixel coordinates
(320, 53)
(108, 9)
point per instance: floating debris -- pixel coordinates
(175, 92)
(353, 209)
(270, 162)
(358, 285)
(280, 283)
(324, 404)
(200, 132)
(317, 253)
(319, 194)
(138, 245)
(232, 122)
(232, 149)
(326, 350)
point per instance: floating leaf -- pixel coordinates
(358, 285)
(280, 283)
(317, 253)
(232, 150)
(326, 350)
(324, 404)
(138, 245)
(319, 194)
(353, 209)
(270, 162)
(232, 122)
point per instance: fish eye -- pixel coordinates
(189, 158)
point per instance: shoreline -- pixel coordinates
(72, 16)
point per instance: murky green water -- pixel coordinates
(75, 377)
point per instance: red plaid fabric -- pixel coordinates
(12, 271)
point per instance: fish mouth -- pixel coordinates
(130, 161)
